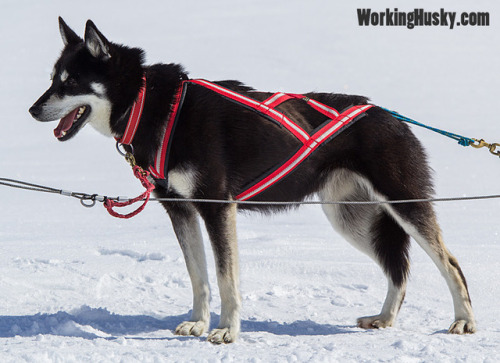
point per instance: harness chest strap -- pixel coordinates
(310, 143)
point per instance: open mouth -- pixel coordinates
(71, 123)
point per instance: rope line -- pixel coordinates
(89, 200)
(462, 140)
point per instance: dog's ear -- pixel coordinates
(67, 34)
(95, 42)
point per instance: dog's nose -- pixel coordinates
(35, 110)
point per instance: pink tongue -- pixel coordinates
(65, 123)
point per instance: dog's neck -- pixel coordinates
(160, 85)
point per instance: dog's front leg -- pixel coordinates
(187, 229)
(220, 221)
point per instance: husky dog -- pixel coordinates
(219, 147)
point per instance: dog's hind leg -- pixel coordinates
(391, 245)
(419, 220)
(220, 221)
(187, 229)
(371, 230)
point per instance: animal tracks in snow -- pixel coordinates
(139, 257)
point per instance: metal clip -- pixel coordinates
(480, 143)
(119, 149)
(491, 147)
(130, 159)
(87, 202)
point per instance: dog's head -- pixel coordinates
(85, 78)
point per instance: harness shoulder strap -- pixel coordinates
(159, 168)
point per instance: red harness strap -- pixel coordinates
(277, 116)
(158, 169)
(135, 116)
(277, 99)
(310, 143)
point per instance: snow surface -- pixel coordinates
(79, 285)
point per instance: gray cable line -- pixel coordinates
(249, 202)
(88, 200)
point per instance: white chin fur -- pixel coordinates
(99, 117)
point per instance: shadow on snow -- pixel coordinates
(92, 323)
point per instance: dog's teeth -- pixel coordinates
(81, 110)
(63, 133)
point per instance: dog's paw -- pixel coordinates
(462, 327)
(195, 328)
(224, 335)
(374, 322)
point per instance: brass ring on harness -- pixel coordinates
(123, 152)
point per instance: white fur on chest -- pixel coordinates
(183, 181)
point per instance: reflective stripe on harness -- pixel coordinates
(159, 168)
(310, 143)
(135, 115)
(314, 142)
(291, 126)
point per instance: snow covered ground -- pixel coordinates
(79, 285)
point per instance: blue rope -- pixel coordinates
(462, 140)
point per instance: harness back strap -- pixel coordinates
(277, 99)
(309, 143)
(260, 107)
(323, 135)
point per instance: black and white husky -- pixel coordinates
(220, 147)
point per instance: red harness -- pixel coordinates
(310, 142)
(135, 115)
